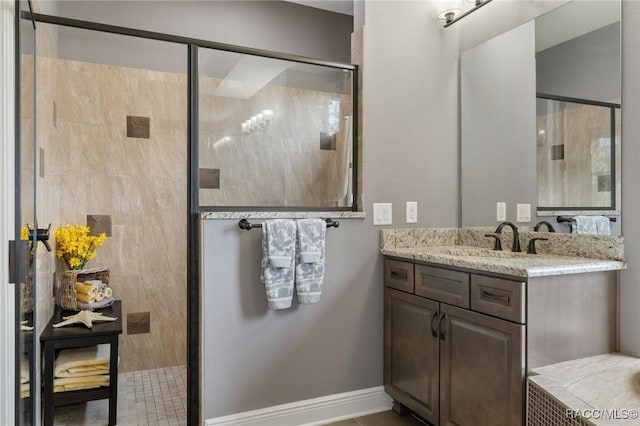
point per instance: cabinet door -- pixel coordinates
(411, 352)
(482, 370)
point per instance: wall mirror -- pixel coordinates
(540, 118)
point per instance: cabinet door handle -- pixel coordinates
(434, 333)
(442, 334)
(402, 275)
(503, 298)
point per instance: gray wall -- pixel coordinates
(272, 25)
(586, 67)
(498, 112)
(254, 358)
(629, 288)
(501, 17)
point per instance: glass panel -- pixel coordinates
(574, 155)
(25, 302)
(618, 158)
(274, 133)
(112, 122)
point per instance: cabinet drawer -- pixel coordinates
(398, 275)
(443, 285)
(498, 297)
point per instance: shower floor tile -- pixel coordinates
(149, 397)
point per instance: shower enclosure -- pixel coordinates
(137, 133)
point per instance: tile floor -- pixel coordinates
(158, 397)
(149, 397)
(386, 418)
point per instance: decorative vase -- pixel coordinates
(79, 267)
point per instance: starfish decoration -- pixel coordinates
(85, 317)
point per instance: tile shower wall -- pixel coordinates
(47, 212)
(93, 168)
(281, 163)
(139, 182)
(575, 178)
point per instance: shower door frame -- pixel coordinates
(194, 384)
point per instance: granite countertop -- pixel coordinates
(516, 264)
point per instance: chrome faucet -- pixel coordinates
(516, 237)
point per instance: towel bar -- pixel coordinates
(561, 219)
(567, 219)
(245, 224)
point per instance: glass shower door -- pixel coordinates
(26, 394)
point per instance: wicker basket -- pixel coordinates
(67, 294)
(26, 297)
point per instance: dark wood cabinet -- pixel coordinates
(450, 365)
(411, 367)
(458, 341)
(481, 369)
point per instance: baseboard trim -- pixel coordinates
(310, 412)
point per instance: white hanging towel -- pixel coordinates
(598, 225)
(584, 225)
(603, 225)
(278, 261)
(310, 259)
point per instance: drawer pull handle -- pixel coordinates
(442, 334)
(434, 333)
(502, 298)
(396, 275)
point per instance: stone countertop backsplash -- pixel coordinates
(283, 215)
(561, 254)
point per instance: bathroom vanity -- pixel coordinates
(464, 324)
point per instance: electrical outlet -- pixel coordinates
(382, 214)
(501, 211)
(523, 213)
(412, 212)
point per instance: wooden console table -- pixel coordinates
(76, 336)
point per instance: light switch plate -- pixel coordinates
(382, 214)
(501, 211)
(523, 213)
(412, 212)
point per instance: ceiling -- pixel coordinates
(339, 6)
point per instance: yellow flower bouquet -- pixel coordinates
(76, 246)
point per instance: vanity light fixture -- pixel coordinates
(258, 121)
(451, 16)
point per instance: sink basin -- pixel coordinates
(478, 252)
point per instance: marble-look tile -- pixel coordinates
(134, 352)
(122, 251)
(126, 287)
(581, 165)
(284, 165)
(608, 381)
(26, 93)
(169, 341)
(96, 169)
(78, 95)
(164, 294)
